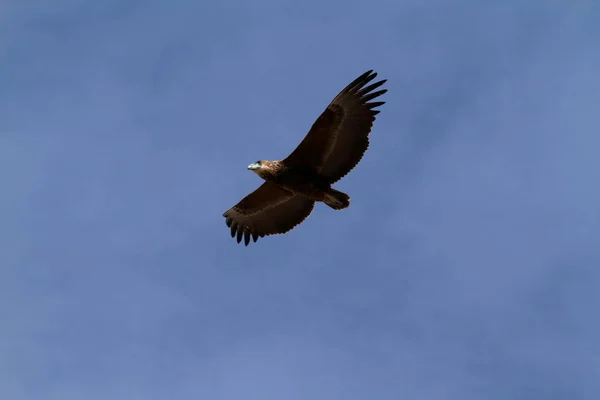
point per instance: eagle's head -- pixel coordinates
(260, 168)
(263, 168)
(256, 166)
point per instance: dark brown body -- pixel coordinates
(299, 179)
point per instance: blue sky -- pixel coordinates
(467, 267)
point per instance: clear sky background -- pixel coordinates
(467, 267)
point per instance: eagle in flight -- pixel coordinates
(334, 145)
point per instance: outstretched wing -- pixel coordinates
(339, 138)
(269, 210)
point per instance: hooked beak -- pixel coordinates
(253, 166)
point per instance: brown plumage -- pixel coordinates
(334, 145)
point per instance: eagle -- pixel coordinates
(333, 146)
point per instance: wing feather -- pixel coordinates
(269, 210)
(339, 138)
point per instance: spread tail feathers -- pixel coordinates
(336, 199)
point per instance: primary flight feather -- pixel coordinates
(334, 145)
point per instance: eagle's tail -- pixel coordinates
(336, 199)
